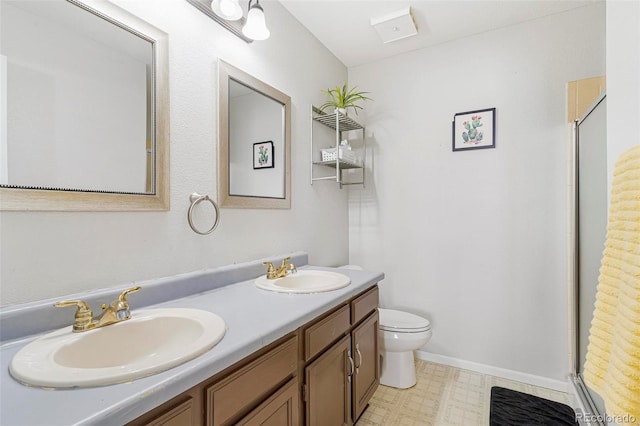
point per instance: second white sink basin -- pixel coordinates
(153, 340)
(305, 281)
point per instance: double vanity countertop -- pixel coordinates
(254, 318)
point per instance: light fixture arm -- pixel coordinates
(255, 5)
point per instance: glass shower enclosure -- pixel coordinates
(590, 223)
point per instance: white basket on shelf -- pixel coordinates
(331, 154)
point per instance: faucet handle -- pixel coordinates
(120, 307)
(123, 296)
(83, 316)
(270, 265)
(284, 262)
(271, 270)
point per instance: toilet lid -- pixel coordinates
(392, 320)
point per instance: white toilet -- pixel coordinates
(400, 334)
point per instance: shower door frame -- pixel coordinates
(581, 388)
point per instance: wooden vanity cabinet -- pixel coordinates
(327, 389)
(366, 357)
(365, 349)
(342, 362)
(322, 374)
(261, 389)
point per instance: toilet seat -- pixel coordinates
(402, 322)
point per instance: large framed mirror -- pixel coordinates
(84, 108)
(254, 142)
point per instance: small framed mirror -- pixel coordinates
(254, 142)
(84, 108)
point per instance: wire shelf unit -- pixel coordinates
(340, 123)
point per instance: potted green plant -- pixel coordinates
(343, 97)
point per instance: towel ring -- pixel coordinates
(195, 199)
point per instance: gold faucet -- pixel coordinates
(117, 311)
(282, 271)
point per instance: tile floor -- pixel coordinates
(443, 396)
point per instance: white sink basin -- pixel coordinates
(305, 281)
(153, 340)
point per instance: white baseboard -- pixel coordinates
(495, 371)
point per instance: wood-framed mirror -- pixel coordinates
(84, 111)
(254, 142)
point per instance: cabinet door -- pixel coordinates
(281, 409)
(366, 357)
(328, 387)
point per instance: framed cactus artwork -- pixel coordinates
(474, 129)
(263, 155)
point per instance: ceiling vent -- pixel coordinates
(396, 25)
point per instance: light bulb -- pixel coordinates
(227, 7)
(229, 10)
(256, 26)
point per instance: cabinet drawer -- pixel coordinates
(324, 332)
(247, 387)
(364, 304)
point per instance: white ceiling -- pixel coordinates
(343, 26)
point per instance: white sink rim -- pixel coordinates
(34, 364)
(330, 281)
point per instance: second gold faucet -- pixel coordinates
(282, 271)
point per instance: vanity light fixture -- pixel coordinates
(256, 27)
(229, 14)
